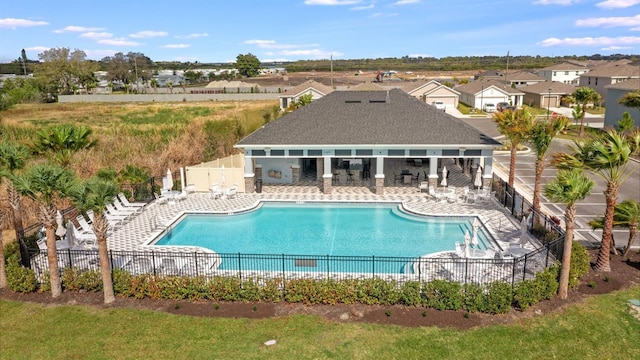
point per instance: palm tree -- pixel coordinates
(569, 187)
(60, 142)
(154, 85)
(606, 156)
(13, 157)
(625, 214)
(515, 126)
(585, 95)
(95, 194)
(45, 183)
(540, 137)
(631, 99)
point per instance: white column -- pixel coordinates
(379, 167)
(327, 166)
(433, 168)
(488, 169)
(248, 166)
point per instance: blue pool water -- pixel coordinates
(369, 230)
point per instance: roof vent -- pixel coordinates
(352, 101)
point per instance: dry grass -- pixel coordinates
(152, 135)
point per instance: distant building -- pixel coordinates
(614, 110)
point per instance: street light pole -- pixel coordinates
(549, 104)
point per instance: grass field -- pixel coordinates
(151, 135)
(599, 328)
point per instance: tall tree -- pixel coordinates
(61, 68)
(13, 158)
(23, 58)
(585, 95)
(60, 142)
(248, 65)
(606, 156)
(95, 194)
(569, 187)
(45, 183)
(515, 126)
(540, 137)
(631, 99)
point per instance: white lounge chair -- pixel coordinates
(84, 224)
(424, 186)
(122, 208)
(160, 199)
(215, 191)
(231, 192)
(126, 202)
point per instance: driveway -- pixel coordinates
(591, 207)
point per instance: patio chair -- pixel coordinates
(416, 178)
(126, 202)
(84, 224)
(231, 192)
(424, 186)
(215, 192)
(122, 208)
(111, 210)
(471, 196)
(160, 200)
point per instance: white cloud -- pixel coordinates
(383, 14)
(555, 2)
(192, 36)
(364, 7)
(331, 2)
(148, 34)
(118, 42)
(616, 48)
(627, 21)
(37, 48)
(591, 41)
(406, 2)
(311, 53)
(12, 23)
(73, 28)
(260, 43)
(617, 4)
(272, 44)
(175, 46)
(96, 35)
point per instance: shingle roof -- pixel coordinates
(367, 86)
(523, 75)
(324, 89)
(367, 118)
(615, 71)
(557, 88)
(631, 84)
(565, 66)
(475, 87)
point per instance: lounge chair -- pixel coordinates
(126, 202)
(231, 192)
(122, 208)
(215, 191)
(111, 210)
(424, 186)
(84, 224)
(83, 239)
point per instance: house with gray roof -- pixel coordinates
(564, 72)
(431, 91)
(614, 110)
(609, 74)
(362, 128)
(546, 94)
(480, 92)
(520, 79)
(312, 87)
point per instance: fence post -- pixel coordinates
(373, 266)
(195, 256)
(328, 258)
(284, 279)
(239, 267)
(153, 262)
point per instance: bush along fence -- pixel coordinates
(494, 297)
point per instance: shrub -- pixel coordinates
(20, 279)
(75, 279)
(121, 282)
(473, 297)
(443, 295)
(224, 288)
(498, 298)
(580, 264)
(377, 291)
(527, 293)
(410, 293)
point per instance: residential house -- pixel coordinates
(368, 127)
(478, 93)
(312, 87)
(546, 94)
(564, 72)
(614, 110)
(431, 91)
(520, 79)
(609, 74)
(489, 75)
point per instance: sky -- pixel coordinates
(290, 30)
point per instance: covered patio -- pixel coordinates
(366, 139)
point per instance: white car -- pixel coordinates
(488, 107)
(440, 105)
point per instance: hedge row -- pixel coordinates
(494, 298)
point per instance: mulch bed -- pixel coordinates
(624, 274)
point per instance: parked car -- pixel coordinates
(489, 107)
(440, 105)
(504, 106)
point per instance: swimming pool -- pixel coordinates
(317, 231)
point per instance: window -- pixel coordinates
(566, 73)
(364, 152)
(314, 152)
(555, 73)
(277, 152)
(342, 152)
(396, 152)
(258, 153)
(296, 152)
(418, 153)
(577, 72)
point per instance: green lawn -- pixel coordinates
(600, 328)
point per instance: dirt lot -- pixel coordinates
(623, 275)
(350, 78)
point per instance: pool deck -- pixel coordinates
(156, 218)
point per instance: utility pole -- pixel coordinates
(506, 73)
